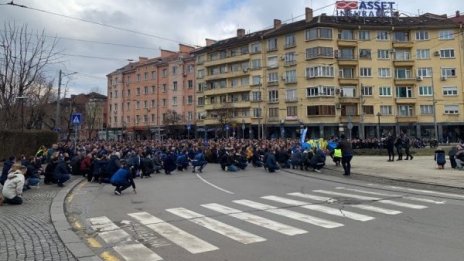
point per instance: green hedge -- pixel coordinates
(414, 151)
(27, 142)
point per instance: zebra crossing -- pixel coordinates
(296, 207)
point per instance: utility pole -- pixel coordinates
(57, 116)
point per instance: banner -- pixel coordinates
(303, 136)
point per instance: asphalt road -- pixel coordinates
(250, 215)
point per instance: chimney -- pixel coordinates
(457, 13)
(210, 42)
(141, 58)
(240, 32)
(277, 23)
(309, 14)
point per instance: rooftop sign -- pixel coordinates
(364, 8)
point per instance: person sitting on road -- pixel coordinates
(199, 161)
(296, 159)
(270, 163)
(318, 159)
(182, 162)
(62, 172)
(440, 158)
(13, 188)
(122, 179)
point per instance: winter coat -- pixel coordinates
(199, 159)
(13, 185)
(113, 165)
(440, 157)
(61, 169)
(122, 177)
(6, 167)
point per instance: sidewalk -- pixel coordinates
(422, 169)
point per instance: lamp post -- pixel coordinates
(22, 98)
(243, 128)
(435, 126)
(282, 129)
(378, 124)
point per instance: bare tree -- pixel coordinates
(24, 56)
(171, 120)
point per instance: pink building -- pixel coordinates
(153, 97)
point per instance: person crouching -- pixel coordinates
(122, 179)
(13, 188)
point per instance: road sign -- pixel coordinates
(76, 118)
(189, 127)
(227, 127)
(350, 126)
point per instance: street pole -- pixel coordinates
(435, 126)
(378, 125)
(57, 116)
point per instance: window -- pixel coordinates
(368, 109)
(138, 91)
(291, 95)
(426, 109)
(385, 91)
(255, 64)
(384, 73)
(152, 103)
(256, 79)
(424, 72)
(386, 109)
(256, 112)
(402, 55)
(174, 101)
(128, 93)
(153, 89)
(452, 109)
(318, 33)
(256, 96)
(165, 73)
(137, 105)
(321, 90)
(319, 52)
(200, 74)
(348, 91)
(425, 91)
(145, 90)
(448, 72)
(290, 40)
(272, 62)
(403, 73)
(404, 92)
(446, 35)
(346, 73)
(450, 91)
(273, 96)
(382, 35)
(365, 72)
(234, 82)
(292, 111)
(272, 44)
(116, 94)
(422, 54)
(290, 76)
(189, 99)
(401, 36)
(346, 35)
(273, 77)
(190, 84)
(321, 110)
(383, 54)
(138, 77)
(422, 35)
(164, 87)
(346, 54)
(145, 104)
(320, 71)
(366, 90)
(364, 35)
(365, 53)
(405, 110)
(447, 53)
(273, 112)
(255, 47)
(289, 58)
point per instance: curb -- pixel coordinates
(72, 242)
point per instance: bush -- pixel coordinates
(27, 142)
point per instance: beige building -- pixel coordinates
(370, 75)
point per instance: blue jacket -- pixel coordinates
(122, 177)
(6, 167)
(199, 159)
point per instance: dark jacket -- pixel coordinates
(61, 169)
(345, 146)
(122, 177)
(6, 167)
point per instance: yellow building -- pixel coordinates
(364, 76)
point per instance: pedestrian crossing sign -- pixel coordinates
(76, 118)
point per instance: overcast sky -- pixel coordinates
(94, 51)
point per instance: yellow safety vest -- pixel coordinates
(338, 153)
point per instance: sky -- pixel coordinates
(137, 28)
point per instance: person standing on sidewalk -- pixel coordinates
(347, 154)
(407, 147)
(390, 144)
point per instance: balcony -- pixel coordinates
(405, 44)
(290, 100)
(406, 119)
(405, 100)
(320, 98)
(347, 60)
(348, 99)
(233, 59)
(348, 81)
(403, 63)
(405, 81)
(346, 118)
(347, 42)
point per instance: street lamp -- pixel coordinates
(378, 124)
(22, 98)
(282, 129)
(243, 128)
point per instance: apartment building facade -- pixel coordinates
(364, 76)
(152, 97)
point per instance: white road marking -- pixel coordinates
(360, 206)
(112, 234)
(320, 208)
(443, 194)
(217, 226)
(135, 252)
(395, 195)
(183, 239)
(256, 220)
(214, 186)
(377, 209)
(289, 214)
(384, 201)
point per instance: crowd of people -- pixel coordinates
(119, 163)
